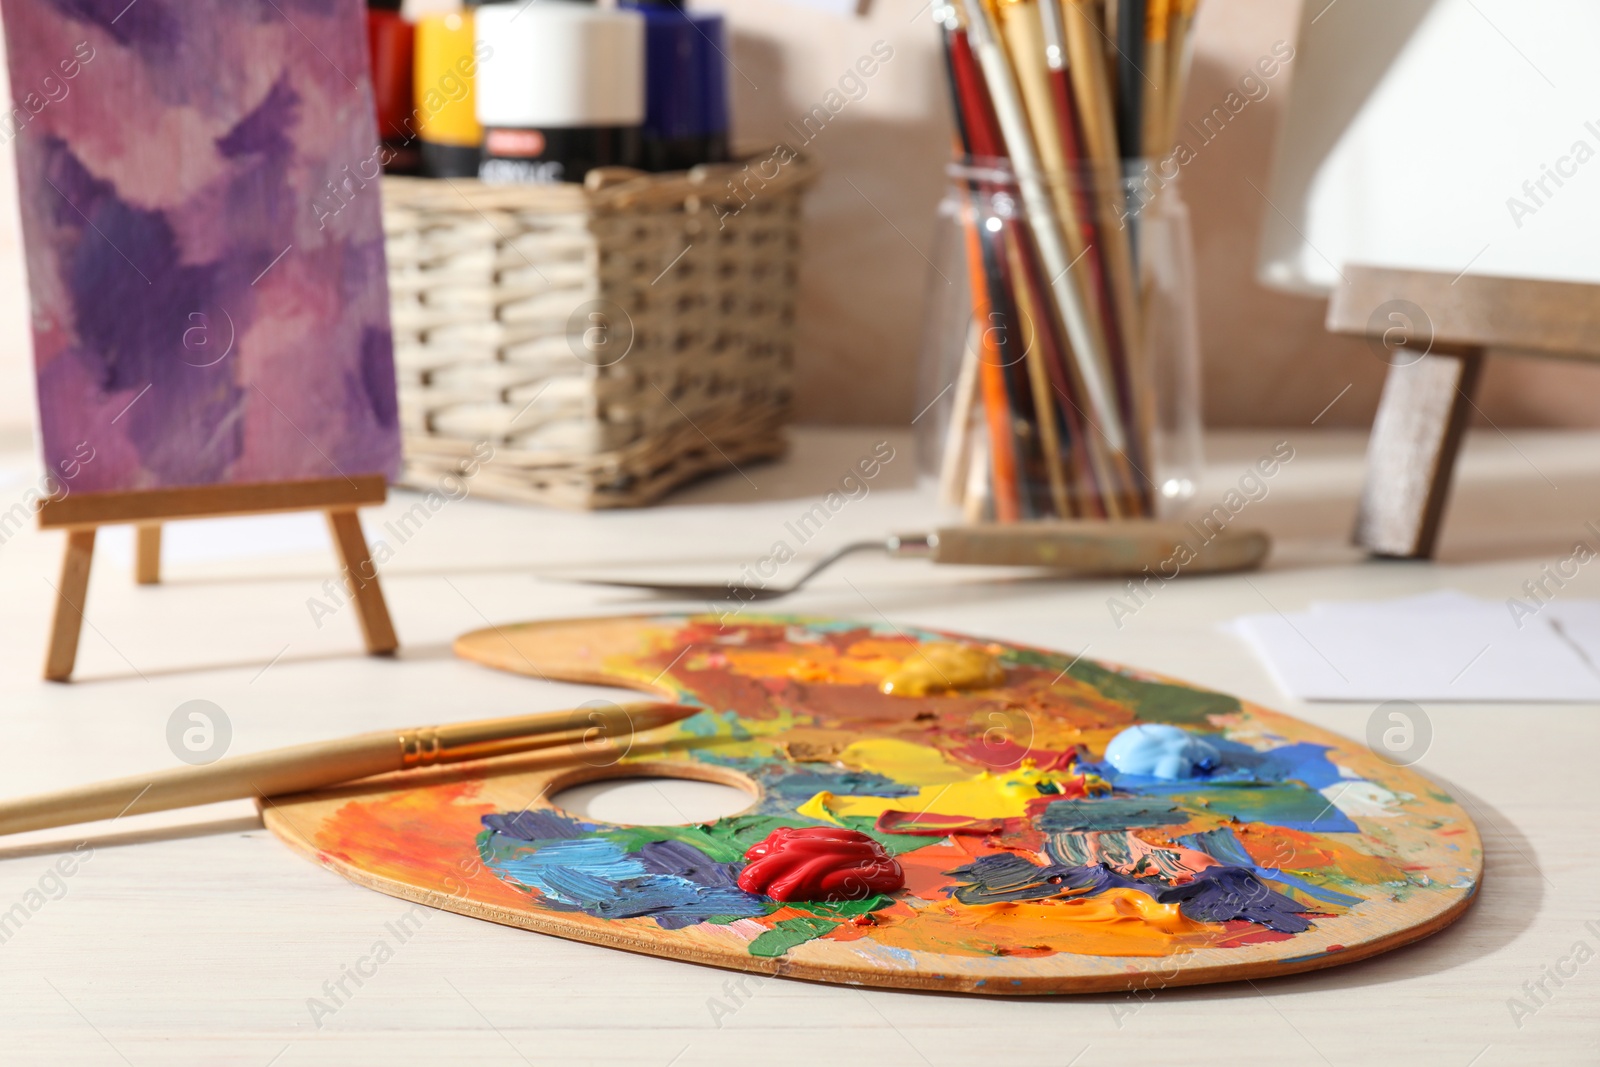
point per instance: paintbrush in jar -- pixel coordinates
(1012, 117)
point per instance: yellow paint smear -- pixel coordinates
(941, 667)
(905, 761)
(986, 796)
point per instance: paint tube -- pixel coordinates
(560, 89)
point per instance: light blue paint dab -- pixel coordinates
(1160, 750)
(899, 955)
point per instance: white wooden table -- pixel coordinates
(196, 938)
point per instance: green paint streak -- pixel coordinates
(633, 838)
(788, 933)
(1033, 657)
(1257, 803)
(1156, 701)
(1111, 813)
(843, 909)
(894, 844)
(726, 840)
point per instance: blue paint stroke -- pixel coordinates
(1286, 804)
(677, 886)
(1279, 786)
(1109, 813)
(1224, 846)
(1238, 764)
(1217, 894)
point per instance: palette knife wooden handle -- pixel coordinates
(1092, 548)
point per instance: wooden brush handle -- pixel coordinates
(1100, 548)
(284, 770)
(326, 763)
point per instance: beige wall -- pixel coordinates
(1267, 359)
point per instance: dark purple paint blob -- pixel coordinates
(265, 130)
(536, 826)
(261, 202)
(149, 25)
(1217, 894)
(686, 861)
(130, 316)
(377, 376)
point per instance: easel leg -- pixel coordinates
(351, 543)
(70, 595)
(1412, 453)
(147, 555)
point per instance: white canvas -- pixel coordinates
(1418, 133)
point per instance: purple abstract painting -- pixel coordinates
(207, 280)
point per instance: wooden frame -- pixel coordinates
(82, 514)
(1450, 324)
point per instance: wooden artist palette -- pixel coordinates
(1030, 865)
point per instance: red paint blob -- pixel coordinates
(820, 863)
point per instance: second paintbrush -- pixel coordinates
(326, 763)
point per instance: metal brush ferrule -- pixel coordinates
(418, 748)
(921, 545)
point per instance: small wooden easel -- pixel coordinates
(81, 514)
(1435, 364)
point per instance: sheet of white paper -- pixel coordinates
(1579, 623)
(1442, 646)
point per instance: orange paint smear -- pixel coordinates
(865, 662)
(1295, 850)
(424, 837)
(1117, 922)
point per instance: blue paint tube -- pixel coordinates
(686, 80)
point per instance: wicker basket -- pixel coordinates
(611, 341)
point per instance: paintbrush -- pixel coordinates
(1179, 56)
(1043, 403)
(327, 763)
(1029, 42)
(1087, 187)
(1157, 70)
(956, 454)
(999, 331)
(1090, 82)
(1012, 118)
(1130, 101)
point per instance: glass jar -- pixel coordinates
(1060, 363)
